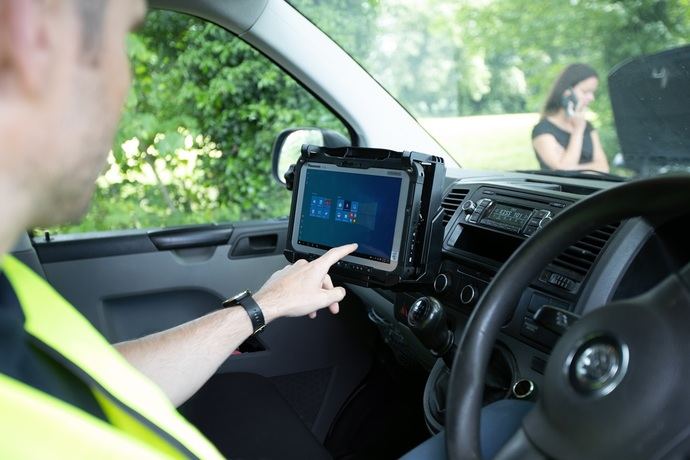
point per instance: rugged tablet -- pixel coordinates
(387, 202)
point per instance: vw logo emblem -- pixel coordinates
(597, 366)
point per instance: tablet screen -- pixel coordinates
(338, 206)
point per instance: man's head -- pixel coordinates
(64, 76)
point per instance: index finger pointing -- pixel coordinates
(335, 254)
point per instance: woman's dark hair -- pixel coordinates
(571, 76)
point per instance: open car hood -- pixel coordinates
(650, 97)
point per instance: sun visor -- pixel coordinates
(650, 97)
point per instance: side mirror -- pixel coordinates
(288, 145)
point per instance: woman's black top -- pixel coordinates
(563, 138)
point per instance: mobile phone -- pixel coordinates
(569, 102)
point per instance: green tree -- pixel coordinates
(194, 145)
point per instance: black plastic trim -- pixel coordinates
(191, 237)
(258, 239)
(91, 247)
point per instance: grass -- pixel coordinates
(497, 142)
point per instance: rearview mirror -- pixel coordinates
(288, 146)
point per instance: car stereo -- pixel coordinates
(387, 202)
(509, 217)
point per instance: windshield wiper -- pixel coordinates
(580, 174)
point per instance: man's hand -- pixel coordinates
(303, 287)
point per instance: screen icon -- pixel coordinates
(320, 207)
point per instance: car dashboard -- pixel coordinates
(490, 222)
(486, 218)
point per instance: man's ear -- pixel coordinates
(25, 52)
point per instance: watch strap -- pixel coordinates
(246, 301)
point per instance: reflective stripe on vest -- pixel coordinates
(144, 424)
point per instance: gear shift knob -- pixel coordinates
(428, 322)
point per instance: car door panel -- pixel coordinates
(133, 283)
(190, 275)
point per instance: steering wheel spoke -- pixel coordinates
(612, 373)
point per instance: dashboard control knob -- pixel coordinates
(467, 294)
(441, 283)
(545, 221)
(469, 206)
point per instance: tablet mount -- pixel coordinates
(419, 252)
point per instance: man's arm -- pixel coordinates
(180, 360)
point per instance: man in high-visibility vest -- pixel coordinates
(64, 392)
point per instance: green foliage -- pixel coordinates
(194, 144)
(474, 57)
(195, 139)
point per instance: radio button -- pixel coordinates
(530, 229)
(469, 206)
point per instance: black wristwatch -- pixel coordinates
(246, 301)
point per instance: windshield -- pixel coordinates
(540, 85)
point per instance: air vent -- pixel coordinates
(451, 202)
(580, 256)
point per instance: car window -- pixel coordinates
(194, 144)
(477, 73)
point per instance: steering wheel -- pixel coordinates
(615, 385)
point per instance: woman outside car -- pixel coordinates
(563, 139)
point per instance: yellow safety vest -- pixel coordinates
(34, 425)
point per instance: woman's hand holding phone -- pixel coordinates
(574, 110)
